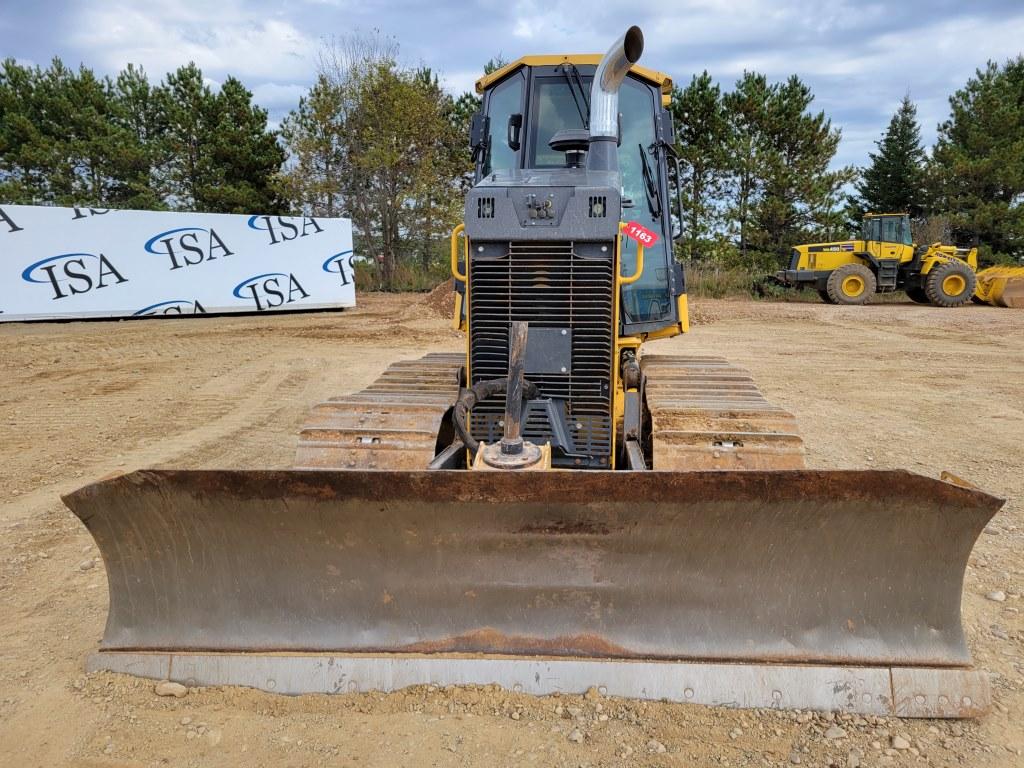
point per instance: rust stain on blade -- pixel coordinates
(489, 640)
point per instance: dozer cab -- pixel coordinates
(884, 259)
(553, 510)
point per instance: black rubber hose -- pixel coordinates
(481, 391)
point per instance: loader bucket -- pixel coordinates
(1001, 287)
(842, 569)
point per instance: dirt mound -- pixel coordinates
(440, 302)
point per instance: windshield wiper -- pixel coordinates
(573, 85)
(650, 185)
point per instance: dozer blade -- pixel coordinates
(857, 571)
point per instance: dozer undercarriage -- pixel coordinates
(645, 524)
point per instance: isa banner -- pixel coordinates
(90, 263)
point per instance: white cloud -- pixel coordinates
(459, 82)
(278, 94)
(225, 38)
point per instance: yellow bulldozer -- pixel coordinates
(553, 509)
(884, 259)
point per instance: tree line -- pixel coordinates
(385, 145)
(71, 138)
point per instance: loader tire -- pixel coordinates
(825, 297)
(950, 284)
(918, 296)
(851, 284)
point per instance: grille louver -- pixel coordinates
(485, 207)
(549, 286)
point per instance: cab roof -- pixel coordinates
(660, 79)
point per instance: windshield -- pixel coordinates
(556, 109)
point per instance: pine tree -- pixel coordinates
(188, 110)
(701, 133)
(800, 190)
(139, 152)
(221, 158)
(894, 181)
(978, 162)
(25, 154)
(244, 155)
(746, 112)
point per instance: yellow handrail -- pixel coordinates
(455, 253)
(639, 260)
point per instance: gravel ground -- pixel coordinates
(892, 385)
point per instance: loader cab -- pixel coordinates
(887, 236)
(528, 102)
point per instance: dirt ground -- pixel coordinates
(892, 385)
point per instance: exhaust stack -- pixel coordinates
(604, 99)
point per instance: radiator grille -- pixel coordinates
(549, 286)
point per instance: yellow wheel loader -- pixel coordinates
(884, 259)
(553, 510)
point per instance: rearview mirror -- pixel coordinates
(479, 128)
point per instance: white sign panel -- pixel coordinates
(88, 262)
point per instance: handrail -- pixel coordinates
(639, 260)
(459, 229)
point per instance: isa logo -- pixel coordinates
(188, 246)
(273, 289)
(172, 307)
(280, 229)
(7, 221)
(341, 264)
(71, 274)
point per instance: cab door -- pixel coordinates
(888, 238)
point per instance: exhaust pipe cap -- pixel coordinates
(633, 44)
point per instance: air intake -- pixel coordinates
(485, 207)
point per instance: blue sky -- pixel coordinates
(859, 57)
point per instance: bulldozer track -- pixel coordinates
(705, 414)
(392, 424)
(709, 414)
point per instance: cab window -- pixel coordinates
(891, 230)
(650, 298)
(505, 100)
(555, 110)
